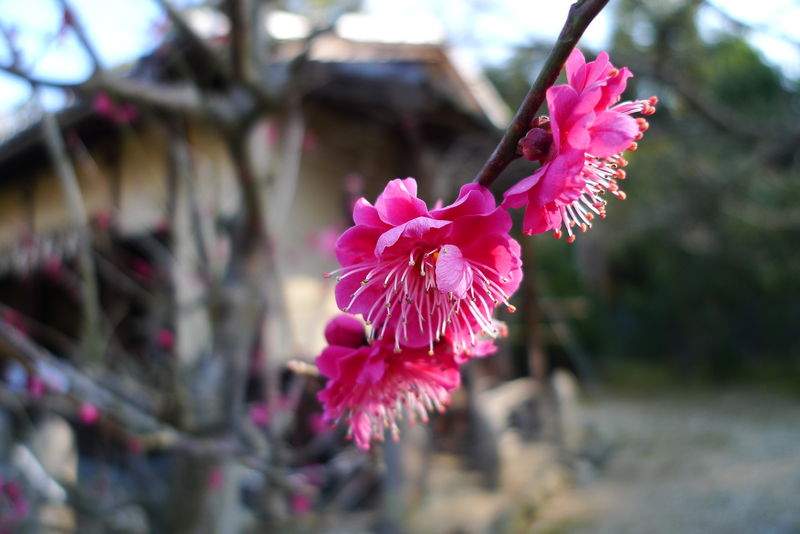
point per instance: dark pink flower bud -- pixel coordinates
(345, 331)
(536, 144)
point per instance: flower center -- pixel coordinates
(412, 303)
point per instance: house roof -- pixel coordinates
(418, 73)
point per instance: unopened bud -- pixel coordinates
(536, 144)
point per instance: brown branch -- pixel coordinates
(177, 98)
(69, 185)
(581, 13)
(195, 40)
(241, 14)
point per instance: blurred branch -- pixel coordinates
(72, 193)
(243, 18)
(200, 44)
(581, 13)
(715, 113)
(177, 98)
(750, 28)
(76, 25)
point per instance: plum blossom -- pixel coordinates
(419, 276)
(580, 148)
(372, 386)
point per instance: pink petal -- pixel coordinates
(502, 254)
(613, 89)
(366, 214)
(453, 273)
(541, 219)
(612, 133)
(597, 71)
(570, 114)
(348, 286)
(399, 203)
(466, 229)
(559, 176)
(329, 361)
(362, 430)
(357, 244)
(472, 199)
(372, 371)
(576, 71)
(415, 229)
(517, 194)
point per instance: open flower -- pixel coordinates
(420, 276)
(372, 387)
(582, 158)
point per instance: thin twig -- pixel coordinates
(581, 13)
(80, 33)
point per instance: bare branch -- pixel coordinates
(580, 15)
(80, 33)
(72, 193)
(200, 44)
(241, 14)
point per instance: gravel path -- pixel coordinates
(706, 463)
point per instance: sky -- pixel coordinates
(484, 28)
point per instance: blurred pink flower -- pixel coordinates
(118, 113)
(15, 320)
(317, 424)
(324, 240)
(165, 339)
(88, 414)
(14, 506)
(590, 130)
(301, 504)
(53, 267)
(36, 387)
(420, 276)
(373, 386)
(143, 270)
(216, 478)
(259, 414)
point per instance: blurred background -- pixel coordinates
(174, 175)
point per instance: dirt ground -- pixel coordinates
(724, 462)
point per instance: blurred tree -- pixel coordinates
(698, 271)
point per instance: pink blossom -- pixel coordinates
(317, 424)
(165, 339)
(373, 386)
(88, 414)
(301, 504)
(15, 320)
(259, 414)
(590, 130)
(216, 478)
(143, 270)
(14, 506)
(420, 276)
(36, 387)
(324, 240)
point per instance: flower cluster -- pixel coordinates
(427, 281)
(580, 147)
